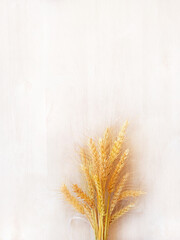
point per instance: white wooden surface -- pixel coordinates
(68, 69)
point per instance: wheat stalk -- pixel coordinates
(102, 165)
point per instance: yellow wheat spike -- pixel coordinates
(102, 157)
(117, 144)
(90, 183)
(84, 159)
(71, 199)
(89, 215)
(106, 148)
(130, 193)
(116, 194)
(100, 197)
(115, 175)
(81, 194)
(121, 212)
(86, 168)
(107, 142)
(95, 157)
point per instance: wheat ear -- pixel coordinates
(86, 170)
(117, 144)
(89, 214)
(90, 183)
(121, 212)
(116, 195)
(84, 159)
(100, 197)
(120, 165)
(106, 140)
(105, 148)
(94, 154)
(71, 199)
(83, 196)
(130, 193)
(102, 157)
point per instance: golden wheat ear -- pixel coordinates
(107, 141)
(130, 193)
(94, 155)
(100, 195)
(105, 144)
(102, 158)
(83, 196)
(83, 156)
(121, 212)
(118, 143)
(115, 174)
(72, 200)
(117, 192)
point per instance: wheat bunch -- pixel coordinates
(107, 187)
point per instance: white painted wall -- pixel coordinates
(68, 69)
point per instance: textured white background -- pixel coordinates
(68, 69)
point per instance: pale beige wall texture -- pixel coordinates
(68, 69)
